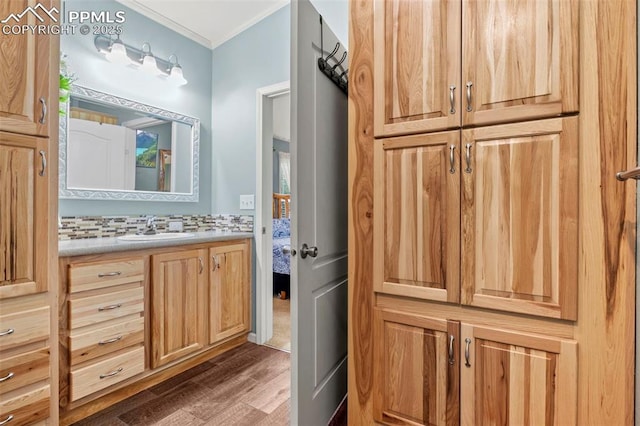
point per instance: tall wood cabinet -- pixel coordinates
(28, 228)
(477, 175)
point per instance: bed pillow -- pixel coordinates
(281, 228)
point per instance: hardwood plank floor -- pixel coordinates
(249, 385)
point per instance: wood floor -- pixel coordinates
(249, 385)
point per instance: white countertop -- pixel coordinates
(110, 245)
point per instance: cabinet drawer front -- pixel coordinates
(95, 343)
(94, 309)
(26, 408)
(100, 275)
(24, 327)
(23, 369)
(100, 375)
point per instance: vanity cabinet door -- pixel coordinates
(25, 104)
(229, 288)
(23, 215)
(177, 305)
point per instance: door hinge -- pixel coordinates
(264, 230)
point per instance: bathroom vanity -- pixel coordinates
(133, 314)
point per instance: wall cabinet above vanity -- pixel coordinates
(132, 319)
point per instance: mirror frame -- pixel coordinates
(96, 194)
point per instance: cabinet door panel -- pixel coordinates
(521, 58)
(177, 298)
(415, 381)
(417, 216)
(519, 379)
(413, 72)
(24, 71)
(520, 214)
(229, 291)
(23, 215)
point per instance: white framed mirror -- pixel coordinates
(112, 148)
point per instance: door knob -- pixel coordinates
(288, 250)
(308, 251)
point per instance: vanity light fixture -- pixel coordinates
(116, 51)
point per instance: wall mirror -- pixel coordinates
(113, 148)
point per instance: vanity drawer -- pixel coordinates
(24, 369)
(102, 374)
(105, 274)
(26, 408)
(93, 343)
(24, 327)
(116, 304)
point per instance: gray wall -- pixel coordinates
(194, 99)
(278, 147)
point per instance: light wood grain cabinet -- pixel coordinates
(229, 291)
(417, 81)
(417, 368)
(25, 102)
(520, 218)
(24, 221)
(517, 378)
(417, 216)
(519, 61)
(178, 310)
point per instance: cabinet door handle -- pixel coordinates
(452, 159)
(467, 345)
(43, 158)
(452, 99)
(216, 264)
(106, 342)
(201, 264)
(7, 420)
(109, 274)
(469, 85)
(110, 307)
(7, 332)
(7, 377)
(111, 373)
(43, 116)
(452, 358)
(467, 156)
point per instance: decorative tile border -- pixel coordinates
(79, 227)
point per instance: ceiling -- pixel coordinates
(209, 22)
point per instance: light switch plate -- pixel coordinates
(247, 202)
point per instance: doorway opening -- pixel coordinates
(273, 230)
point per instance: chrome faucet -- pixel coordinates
(150, 227)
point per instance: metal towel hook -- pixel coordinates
(344, 56)
(333, 53)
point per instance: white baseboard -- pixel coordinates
(252, 337)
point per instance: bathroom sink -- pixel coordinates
(156, 237)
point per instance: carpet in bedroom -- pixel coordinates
(281, 325)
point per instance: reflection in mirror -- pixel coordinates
(115, 148)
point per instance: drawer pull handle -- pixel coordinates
(110, 307)
(109, 274)
(7, 420)
(112, 373)
(106, 342)
(467, 355)
(452, 358)
(7, 377)
(7, 332)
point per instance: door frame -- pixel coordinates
(263, 214)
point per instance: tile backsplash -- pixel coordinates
(78, 227)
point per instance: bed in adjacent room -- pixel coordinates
(281, 261)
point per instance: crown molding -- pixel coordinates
(167, 22)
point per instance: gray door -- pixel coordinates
(318, 219)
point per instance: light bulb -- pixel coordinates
(118, 53)
(177, 76)
(149, 65)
